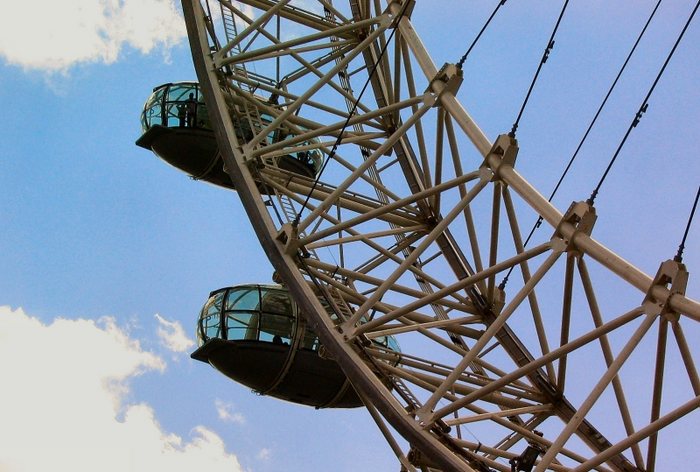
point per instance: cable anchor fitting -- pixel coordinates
(447, 79)
(579, 218)
(503, 152)
(288, 235)
(671, 279)
(548, 50)
(639, 114)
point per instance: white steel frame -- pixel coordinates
(407, 254)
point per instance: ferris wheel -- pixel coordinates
(387, 213)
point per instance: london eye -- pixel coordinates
(407, 272)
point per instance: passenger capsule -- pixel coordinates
(255, 335)
(176, 127)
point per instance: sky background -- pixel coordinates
(107, 254)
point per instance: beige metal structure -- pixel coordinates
(408, 231)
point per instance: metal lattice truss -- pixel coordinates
(410, 232)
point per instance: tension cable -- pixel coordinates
(679, 254)
(643, 107)
(483, 28)
(538, 223)
(545, 56)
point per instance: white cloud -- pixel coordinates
(227, 413)
(311, 6)
(264, 454)
(172, 335)
(54, 35)
(241, 24)
(63, 403)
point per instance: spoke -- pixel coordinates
(365, 139)
(433, 324)
(359, 276)
(525, 268)
(643, 433)
(597, 391)
(658, 389)
(329, 130)
(290, 12)
(237, 78)
(314, 67)
(454, 288)
(566, 317)
(295, 188)
(296, 52)
(429, 239)
(371, 214)
(308, 67)
(493, 251)
(282, 46)
(261, 21)
(469, 219)
(410, 318)
(362, 237)
(501, 414)
(292, 108)
(687, 357)
(375, 182)
(371, 160)
(430, 382)
(438, 159)
(608, 356)
(537, 363)
(493, 329)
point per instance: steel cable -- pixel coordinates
(642, 108)
(545, 56)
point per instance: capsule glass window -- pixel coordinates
(210, 318)
(153, 111)
(242, 326)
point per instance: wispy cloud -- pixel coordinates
(64, 403)
(227, 412)
(52, 36)
(172, 335)
(308, 5)
(264, 454)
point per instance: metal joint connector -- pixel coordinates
(580, 216)
(671, 279)
(448, 79)
(288, 235)
(503, 152)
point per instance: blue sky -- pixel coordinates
(101, 234)
(102, 245)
